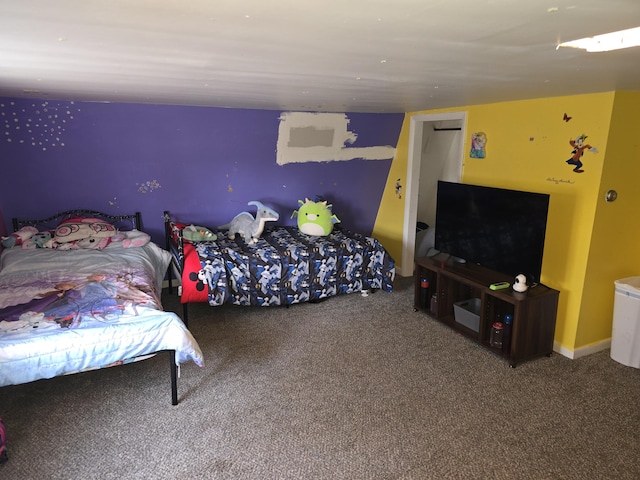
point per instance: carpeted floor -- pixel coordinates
(350, 388)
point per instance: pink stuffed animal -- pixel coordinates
(16, 238)
(135, 238)
(95, 243)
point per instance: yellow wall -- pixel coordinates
(614, 252)
(389, 221)
(527, 149)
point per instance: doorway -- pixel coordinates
(436, 143)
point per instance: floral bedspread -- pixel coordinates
(67, 311)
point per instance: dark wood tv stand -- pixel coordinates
(534, 311)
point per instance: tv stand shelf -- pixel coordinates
(534, 311)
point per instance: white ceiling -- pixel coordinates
(317, 55)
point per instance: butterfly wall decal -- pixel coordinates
(566, 117)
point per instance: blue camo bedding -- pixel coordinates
(286, 267)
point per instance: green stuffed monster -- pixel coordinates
(196, 233)
(315, 218)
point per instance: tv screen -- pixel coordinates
(500, 229)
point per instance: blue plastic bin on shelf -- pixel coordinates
(625, 334)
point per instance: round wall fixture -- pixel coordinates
(611, 196)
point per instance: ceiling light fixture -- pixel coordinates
(607, 42)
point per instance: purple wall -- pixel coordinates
(202, 164)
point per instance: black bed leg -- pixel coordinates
(185, 315)
(174, 377)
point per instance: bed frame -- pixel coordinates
(122, 222)
(176, 249)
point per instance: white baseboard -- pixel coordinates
(582, 351)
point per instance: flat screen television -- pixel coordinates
(500, 229)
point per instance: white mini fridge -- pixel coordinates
(625, 335)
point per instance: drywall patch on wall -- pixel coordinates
(322, 137)
(310, 137)
(41, 125)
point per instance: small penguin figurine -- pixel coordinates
(520, 283)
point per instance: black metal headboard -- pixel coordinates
(121, 222)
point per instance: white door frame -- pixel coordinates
(413, 176)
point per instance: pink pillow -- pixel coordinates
(79, 228)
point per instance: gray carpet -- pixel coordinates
(350, 388)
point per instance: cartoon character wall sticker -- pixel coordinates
(398, 188)
(478, 142)
(578, 151)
